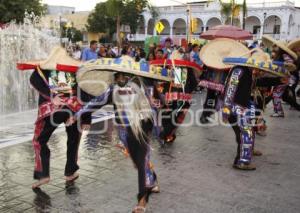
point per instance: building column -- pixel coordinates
(154, 31)
(284, 27)
(171, 31)
(146, 31)
(262, 28)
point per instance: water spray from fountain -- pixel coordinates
(21, 42)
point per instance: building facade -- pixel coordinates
(279, 19)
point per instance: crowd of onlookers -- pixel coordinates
(155, 51)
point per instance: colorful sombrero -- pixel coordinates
(94, 76)
(261, 61)
(269, 42)
(212, 54)
(294, 45)
(58, 55)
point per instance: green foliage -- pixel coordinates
(230, 11)
(71, 33)
(99, 21)
(15, 9)
(105, 16)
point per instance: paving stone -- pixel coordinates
(195, 174)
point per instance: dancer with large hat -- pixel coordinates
(290, 92)
(280, 52)
(133, 112)
(176, 96)
(215, 71)
(57, 102)
(238, 109)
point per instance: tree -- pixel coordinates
(99, 21)
(71, 33)
(15, 10)
(115, 9)
(230, 11)
(109, 16)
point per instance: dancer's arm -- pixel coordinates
(38, 83)
(95, 104)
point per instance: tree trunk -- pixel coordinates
(232, 7)
(244, 14)
(119, 41)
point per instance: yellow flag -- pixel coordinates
(159, 27)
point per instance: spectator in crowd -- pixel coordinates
(159, 54)
(90, 53)
(77, 52)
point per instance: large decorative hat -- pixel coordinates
(58, 55)
(212, 54)
(294, 45)
(262, 61)
(94, 76)
(269, 42)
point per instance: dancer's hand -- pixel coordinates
(58, 101)
(85, 127)
(285, 80)
(70, 121)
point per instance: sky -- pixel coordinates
(85, 5)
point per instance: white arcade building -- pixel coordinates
(280, 19)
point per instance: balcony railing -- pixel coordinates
(202, 6)
(142, 37)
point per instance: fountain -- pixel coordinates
(21, 42)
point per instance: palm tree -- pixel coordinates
(230, 11)
(114, 9)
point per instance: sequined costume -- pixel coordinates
(237, 96)
(49, 84)
(138, 148)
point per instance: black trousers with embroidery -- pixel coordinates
(138, 151)
(210, 103)
(43, 130)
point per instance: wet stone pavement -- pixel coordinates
(195, 174)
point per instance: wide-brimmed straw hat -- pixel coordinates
(269, 42)
(58, 55)
(212, 54)
(262, 61)
(95, 76)
(294, 45)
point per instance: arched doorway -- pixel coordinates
(179, 27)
(213, 22)
(141, 26)
(200, 26)
(167, 28)
(252, 24)
(272, 26)
(150, 27)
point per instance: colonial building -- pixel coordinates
(279, 19)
